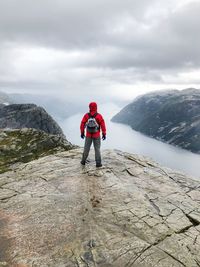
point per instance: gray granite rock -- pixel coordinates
(130, 212)
(17, 116)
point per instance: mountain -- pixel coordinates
(59, 107)
(17, 116)
(131, 212)
(171, 116)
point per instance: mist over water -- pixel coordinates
(122, 137)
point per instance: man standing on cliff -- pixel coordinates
(94, 123)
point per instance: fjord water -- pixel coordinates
(122, 137)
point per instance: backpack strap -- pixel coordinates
(90, 116)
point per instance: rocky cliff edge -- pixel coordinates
(24, 145)
(18, 116)
(131, 212)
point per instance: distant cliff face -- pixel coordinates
(171, 116)
(131, 212)
(17, 116)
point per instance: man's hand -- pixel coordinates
(82, 135)
(103, 137)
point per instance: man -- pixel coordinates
(94, 123)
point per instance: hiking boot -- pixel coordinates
(82, 162)
(98, 165)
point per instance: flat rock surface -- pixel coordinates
(130, 212)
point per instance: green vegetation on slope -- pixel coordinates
(24, 145)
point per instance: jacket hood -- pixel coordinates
(93, 108)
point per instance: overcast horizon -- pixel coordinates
(98, 48)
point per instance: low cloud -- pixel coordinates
(101, 48)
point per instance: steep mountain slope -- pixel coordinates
(172, 116)
(17, 116)
(131, 212)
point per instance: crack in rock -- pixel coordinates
(170, 255)
(153, 204)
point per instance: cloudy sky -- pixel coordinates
(108, 48)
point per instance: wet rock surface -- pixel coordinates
(130, 212)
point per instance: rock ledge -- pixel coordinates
(131, 212)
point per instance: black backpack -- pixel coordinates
(92, 125)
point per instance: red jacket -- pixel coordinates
(99, 119)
